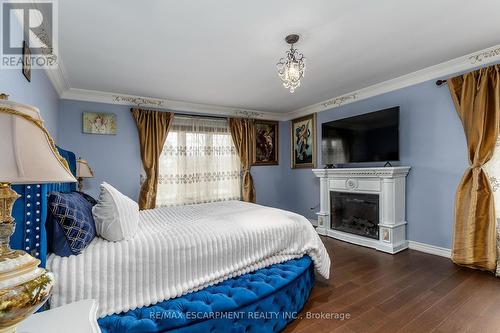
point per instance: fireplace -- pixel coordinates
(355, 213)
(364, 206)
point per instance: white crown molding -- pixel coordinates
(56, 75)
(431, 249)
(487, 56)
(442, 70)
(131, 100)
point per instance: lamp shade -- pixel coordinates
(27, 151)
(83, 169)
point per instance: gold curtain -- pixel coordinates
(153, 127)
(477, 99)
(242, 132)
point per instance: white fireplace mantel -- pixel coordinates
(389, 183)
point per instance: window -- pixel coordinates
(199, 163)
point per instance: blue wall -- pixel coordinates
(39, 93)
(432, 142)
(271, 180)
(115, 159)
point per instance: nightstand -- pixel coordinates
(78, 317)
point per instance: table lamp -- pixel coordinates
(28, 155)
(83, 170)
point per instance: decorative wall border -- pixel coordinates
(442, 70)
(249, 114)
(480, 57)
(131, 100)
(338, 101)
(139, 101)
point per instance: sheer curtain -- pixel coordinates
(199, 163)
(492, 168)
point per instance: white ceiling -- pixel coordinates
(223, 52)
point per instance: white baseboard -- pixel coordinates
(417, 246)
(313, 222)
(431, 249)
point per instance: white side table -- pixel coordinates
(78, 317)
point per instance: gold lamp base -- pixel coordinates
(24, 287)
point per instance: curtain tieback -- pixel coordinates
(476, 168)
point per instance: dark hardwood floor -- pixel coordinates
(407, 292)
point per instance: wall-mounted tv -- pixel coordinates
(371, 137)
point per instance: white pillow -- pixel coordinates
(116, 216)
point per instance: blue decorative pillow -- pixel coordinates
(87, 197)
(70, 224)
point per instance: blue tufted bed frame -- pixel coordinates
(262, 301)
(30, 212)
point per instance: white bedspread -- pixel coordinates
(182, 249)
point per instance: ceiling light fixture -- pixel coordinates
(291, 68)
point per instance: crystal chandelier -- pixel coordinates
(291, 68)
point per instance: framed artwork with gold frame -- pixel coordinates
(265, 147)
(303, 142)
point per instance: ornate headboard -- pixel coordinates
(30, 212)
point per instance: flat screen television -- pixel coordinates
(371, 137)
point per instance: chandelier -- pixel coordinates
(291, 68)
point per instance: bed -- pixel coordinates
(213, 259)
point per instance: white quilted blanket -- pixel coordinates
(182, 249)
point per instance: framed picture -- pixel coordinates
(303, 145)
(26, 61)
(265, 146)
(99, 123)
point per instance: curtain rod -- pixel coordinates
(440, 82)
(188, 115)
